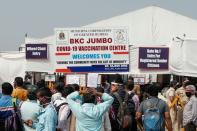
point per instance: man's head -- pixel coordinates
(130, 79)
(114, 86)
(129, 86)
(75, 87)
(173, 83)
(100, 89)
(7, 88)
(31, 92)
(18, 82)
(190, 90)
(89, 98)
(153, 90)
(44, 95)
(59, 87)
(67, 90)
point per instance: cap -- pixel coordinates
(114, 83)
(190, 88)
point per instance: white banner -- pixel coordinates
(92, 50)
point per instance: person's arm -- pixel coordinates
(71, 100)
(167, 118)
(194, 109)
(107, 102)
(168, 121)
(139, 111)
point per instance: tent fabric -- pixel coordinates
(183, 59)
(150, 26)
(12, 65)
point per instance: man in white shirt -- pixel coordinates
(30, 108)
(190, 109)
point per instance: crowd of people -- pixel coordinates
(115, 106)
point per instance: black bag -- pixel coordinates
(124, 115)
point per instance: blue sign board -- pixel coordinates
(36, 51)
(153, 58)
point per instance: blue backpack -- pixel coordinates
(152, 119)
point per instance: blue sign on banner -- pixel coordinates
(153, 58)
(36, 51)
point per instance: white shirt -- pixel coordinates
(29, 111)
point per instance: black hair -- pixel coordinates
(130, 86)
(153, 89)
(26, 84)
(75, 87)
(173, 83)
(41, 84)
(45, 92)
(100, 89)
(7, 88)
(18, 81)
(61, 78)
(118, 79)
(130, 78)
(89, 98)
(59, 87)
(67, 90)
(31, 92)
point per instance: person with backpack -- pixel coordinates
(89, 114)
(133, 104)
(10, 118)
(47, 116)
(190, 109)
(122, 111)
(154, 112)
(63, 111)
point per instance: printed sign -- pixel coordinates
(153, 58)
(49, 77)
(92, 50)
(36, 51)
(79, 79)
(139, 80)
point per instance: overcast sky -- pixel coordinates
(38, 18)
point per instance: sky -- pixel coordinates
(38, 18)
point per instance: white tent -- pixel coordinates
(12, 65)
(151, 26)
(183, 58)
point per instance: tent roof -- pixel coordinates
(152, 25)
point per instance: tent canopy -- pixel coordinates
(150, 26)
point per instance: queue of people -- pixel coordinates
(114, 106)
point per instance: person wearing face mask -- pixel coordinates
(47, 116)
(190, 109)
(30, 108)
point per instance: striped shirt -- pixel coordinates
(190, 111)
(6, 106)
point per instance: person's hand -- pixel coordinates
(82, 90)
(29, 123)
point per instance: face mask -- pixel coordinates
(188, 94)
